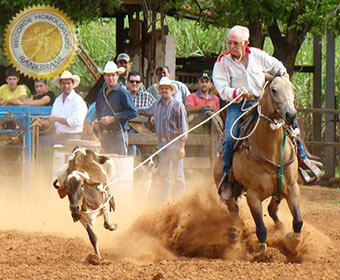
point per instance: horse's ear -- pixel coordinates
(268, 77)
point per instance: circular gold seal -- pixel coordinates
(40, 41)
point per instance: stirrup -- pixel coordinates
(305, 176)
(310, 179)
(310, 165)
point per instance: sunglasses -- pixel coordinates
(135, 82)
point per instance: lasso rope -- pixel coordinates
(174, 140)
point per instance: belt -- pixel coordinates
(167, 139)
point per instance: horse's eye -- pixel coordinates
(274, 91)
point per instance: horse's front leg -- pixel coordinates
(233, 229)
(273, 208)
(293, 201)
(255, 205)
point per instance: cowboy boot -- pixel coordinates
(224, 187)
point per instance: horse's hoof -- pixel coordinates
(263, 247)
(96, 260)
(293, 240)
(233, 235)
(93, 259)
(110, 227)
(279, 226)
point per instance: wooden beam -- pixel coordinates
(120, 34)
(317, 102)
(318, 111)
(329, 165)
(145, 139)
(324, 144)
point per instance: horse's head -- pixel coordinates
(281, 98)
(74, 184)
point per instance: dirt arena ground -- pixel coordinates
(184, 239)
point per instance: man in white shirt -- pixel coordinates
(242, 69)
(68, 112)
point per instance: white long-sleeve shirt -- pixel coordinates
(229, 75)
(74, 110)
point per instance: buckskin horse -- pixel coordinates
(257, 161)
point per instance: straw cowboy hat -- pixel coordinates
(165, 81)
(67, 75)
(111, 67)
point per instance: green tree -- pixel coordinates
(286, 22)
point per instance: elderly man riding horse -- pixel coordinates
(241, 70)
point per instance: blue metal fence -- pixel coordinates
(24, 114)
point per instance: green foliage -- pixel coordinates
(99, 40)
(287, 14)
(195, 40)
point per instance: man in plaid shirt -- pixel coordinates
(140, 97)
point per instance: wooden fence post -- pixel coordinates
(329, 163)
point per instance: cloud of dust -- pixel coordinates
(33, 204)
(198, 225)
(195, 225)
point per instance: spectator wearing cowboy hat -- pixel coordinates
(123, 60)
(114, 107)
(182, 90)
(68, 112)
(170, 121)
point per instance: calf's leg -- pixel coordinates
(107, 222)
(92, 236)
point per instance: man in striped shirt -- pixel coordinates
(170, 121)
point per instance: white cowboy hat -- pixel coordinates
(111, 67)
(67, 75)
(165, 81)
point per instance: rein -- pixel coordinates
(279, 183)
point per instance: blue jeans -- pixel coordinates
(234, 111)
(132, 149)
(168, 161)
(115, 143)
(300, 146)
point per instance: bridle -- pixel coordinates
(275, 119)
